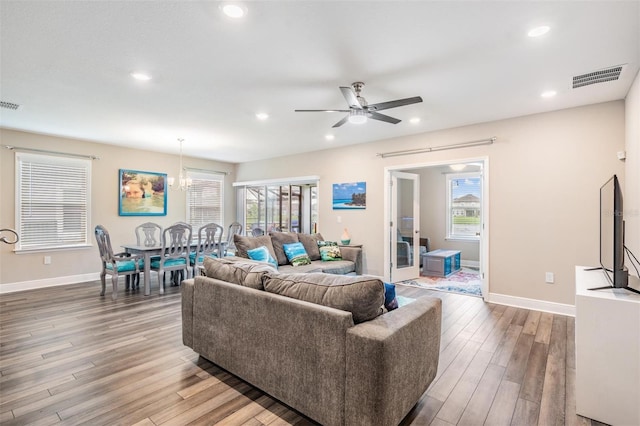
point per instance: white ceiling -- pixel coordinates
(68, 64)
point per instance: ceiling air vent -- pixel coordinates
(9, 105)
(595, 77)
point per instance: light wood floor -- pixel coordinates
(69, 356)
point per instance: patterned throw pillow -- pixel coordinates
(261, 254)
(328, 253)
(296, 254)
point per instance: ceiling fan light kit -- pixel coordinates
(360, 111)
(357, 116)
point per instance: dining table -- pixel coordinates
(147, 252)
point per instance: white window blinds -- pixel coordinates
(52, 201)
(204, 199)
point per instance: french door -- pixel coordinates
(404, 226)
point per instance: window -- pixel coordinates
(52, 201)
(464, 201)
(274, 208)
(279, 206)
(205, 199)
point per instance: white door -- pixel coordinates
(404, 226)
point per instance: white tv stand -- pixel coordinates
(607, 350)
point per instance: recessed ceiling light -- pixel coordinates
(548, 94)
(262, 116)
(141, 76)
(329, 137)
(538, 31)
(233, 10)
(414, 120)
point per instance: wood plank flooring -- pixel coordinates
(69, 356)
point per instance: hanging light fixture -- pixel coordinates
(183, 182)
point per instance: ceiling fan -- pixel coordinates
(359, 111)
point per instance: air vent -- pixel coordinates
(9, 105)
(600, 76)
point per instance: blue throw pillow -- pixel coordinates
(390, 301)
(261, 254)
(296, 254)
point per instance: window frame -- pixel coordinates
(449, 235)
(53, 162)
(200, 175)
(305, 211)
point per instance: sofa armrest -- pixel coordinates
(187, 312)
(353, 254)
(391, 361)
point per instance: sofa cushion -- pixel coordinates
(310, 243)
(261, 254)
(244, 273)
(296, 254)
(363, 296)
(247, 243)
(278, 240)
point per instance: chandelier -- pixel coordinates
(183, 183)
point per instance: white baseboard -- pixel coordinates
(470, 263)
(537, 305)
(48, 282)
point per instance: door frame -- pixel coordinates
(484, 233)
(413, 270)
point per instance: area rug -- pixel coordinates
(467, 281)
(402, 300)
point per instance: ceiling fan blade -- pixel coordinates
(341, 122)
(394, 104)
(322, 110)
(382, 117)
(351, 98)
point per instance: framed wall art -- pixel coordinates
(142, 193)
(349, 196)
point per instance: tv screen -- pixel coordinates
(612, 233)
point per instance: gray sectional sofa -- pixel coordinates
(351, 256)
(319, 343)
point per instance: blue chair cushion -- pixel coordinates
(192, 257)
(170, 262)
(123, 266)
(152, 258)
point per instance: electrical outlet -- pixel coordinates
(548, 277)
(47, 260)
(339, 219)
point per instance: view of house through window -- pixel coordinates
(290, 208)
(464, 196)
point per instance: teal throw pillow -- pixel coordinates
(296, 254)
(261, 254)
(328, 253)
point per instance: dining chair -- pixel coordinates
(209, 244)
(234, 228)
(148, 234)
(174, 255)
(257, 232)
(115, 264)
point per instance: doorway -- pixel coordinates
(444, 217)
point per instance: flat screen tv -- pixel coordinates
(612, 235)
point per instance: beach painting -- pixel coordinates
(349, 196)
(142, 193)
